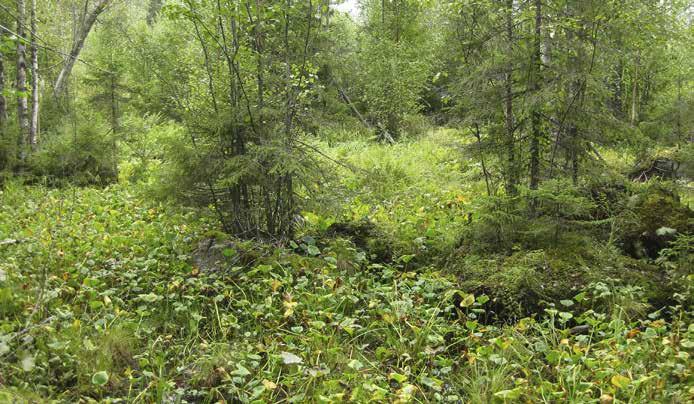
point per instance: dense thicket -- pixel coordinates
(501, 159)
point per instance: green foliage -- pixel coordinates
(123, 314)
(83, 153)
(311, 264)
(144, 141)
(659, 217)
(415, 191)
(8, 151)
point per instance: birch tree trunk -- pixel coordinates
(81, 37)
(22, 103)
(34, 124)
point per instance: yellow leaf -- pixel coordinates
(269, 385)
(620, 381)
(468, 300)
(289, 306)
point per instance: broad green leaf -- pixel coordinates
(512, 394)
(240, 371)
(313, 250)
(100, 378)
(397, 377)
(567, 303)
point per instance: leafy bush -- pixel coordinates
(143, 144)
(8, 151)
(83, 154)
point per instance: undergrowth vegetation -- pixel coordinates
(322, 201)
(108, 295)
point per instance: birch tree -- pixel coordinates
(34, 124)
(78, 44)
(3, 101)
(21, 86)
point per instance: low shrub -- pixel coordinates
(82, 155)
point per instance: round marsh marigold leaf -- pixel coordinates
(100, 378)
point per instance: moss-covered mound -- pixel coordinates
(526, 282)
(366, 236)
(658, 216)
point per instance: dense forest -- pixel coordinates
(401, 201)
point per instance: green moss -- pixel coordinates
(659, 217)
(525, 282)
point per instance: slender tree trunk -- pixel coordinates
(3, 101)
(397, 9)
(267, 188)
(240, 200)
(34, 125)
(81, 36)
(575, 91)
(635, 91)
(22, 103)
(678, 110)
(115, 125)
(618, 85)
(511, 175)
(536, 135)
(478, 136)
(286, 215)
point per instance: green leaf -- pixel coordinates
(566, 316)
(150, 297)
(289, 358)
(313, 250)
(100, 378)
(567, 303)
(28, 363)
(406, 258)
(431, 382)
(397, 377)
(355, 364)
(240, 371)
(512, 394)
(468, 300)
(620, 381)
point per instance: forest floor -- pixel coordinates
(106, 295)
